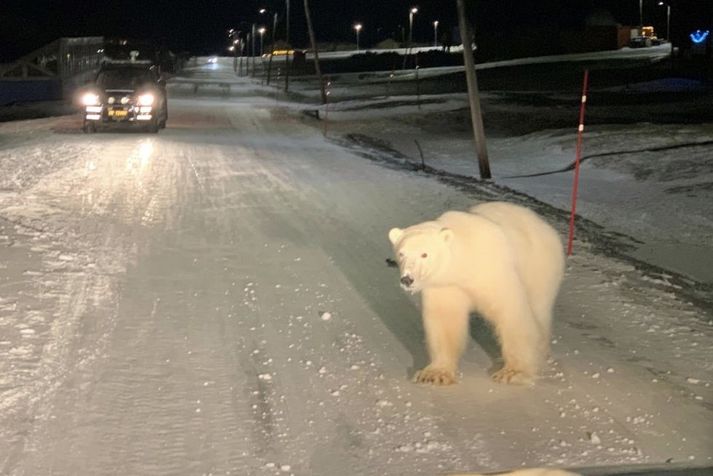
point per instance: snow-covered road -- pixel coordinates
(215, 300)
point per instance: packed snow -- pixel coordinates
(215, 300)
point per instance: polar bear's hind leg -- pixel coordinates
(520, 339)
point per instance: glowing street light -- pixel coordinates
(357, 29)
(262, 31)
(262, 11)
(668, 19)
(411, 14)
(435, 33)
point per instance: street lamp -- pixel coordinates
(435, 33)
(357, 29)
(411, 13)
(262, 31)
(668, 20)
(641, 17)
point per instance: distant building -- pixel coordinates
(601, 31)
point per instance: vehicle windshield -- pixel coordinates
(125, 78)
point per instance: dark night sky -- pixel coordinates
(199, 26)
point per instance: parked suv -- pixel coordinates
(126, 93)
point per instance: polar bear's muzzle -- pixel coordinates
(409, 284)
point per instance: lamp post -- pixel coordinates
(668, 20)
(262, 31)
(357, 29)
(287, 22)
(435, 33)
(231, 48)
(641, 17)
(411, 14)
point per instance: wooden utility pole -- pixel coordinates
(476, 115)
(316, 53)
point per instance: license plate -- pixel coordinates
(118, 113)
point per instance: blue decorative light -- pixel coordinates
(699, 36)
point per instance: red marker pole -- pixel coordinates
(575, 186)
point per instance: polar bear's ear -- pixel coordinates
(446, 234)
(395, 235)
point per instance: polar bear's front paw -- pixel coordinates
(435, 376)
(510, 375)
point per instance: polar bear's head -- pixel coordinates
(423, 253)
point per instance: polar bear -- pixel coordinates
(499, 260)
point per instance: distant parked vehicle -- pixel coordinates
(640, 42)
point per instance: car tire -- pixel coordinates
(153, 127)
(162, 124)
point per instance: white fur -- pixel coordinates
(500, 260)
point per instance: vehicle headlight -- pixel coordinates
(146, 99)
(90, 99)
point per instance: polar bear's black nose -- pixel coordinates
(406, 280)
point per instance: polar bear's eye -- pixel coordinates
(424, 255)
